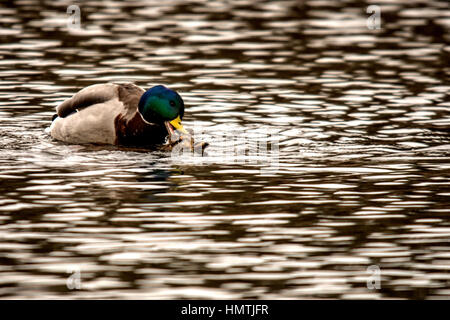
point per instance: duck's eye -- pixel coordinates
(172, 103)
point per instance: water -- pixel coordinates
(361, 120)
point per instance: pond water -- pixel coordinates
(355, 182)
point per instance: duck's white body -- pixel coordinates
(94, 124)
(91, 125)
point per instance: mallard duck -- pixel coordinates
(119, 114)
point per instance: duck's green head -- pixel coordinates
(162, 105)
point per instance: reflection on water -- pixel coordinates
(361, 117)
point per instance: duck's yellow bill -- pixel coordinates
(176, 123)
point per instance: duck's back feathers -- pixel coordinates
(98, 93)
(129, 94)
(105, 114)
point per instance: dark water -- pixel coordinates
(361, 177)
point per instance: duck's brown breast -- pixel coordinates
(137, 132)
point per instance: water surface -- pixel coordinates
(361, 178)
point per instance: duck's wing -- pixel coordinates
(129, 95)
(98, 93)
